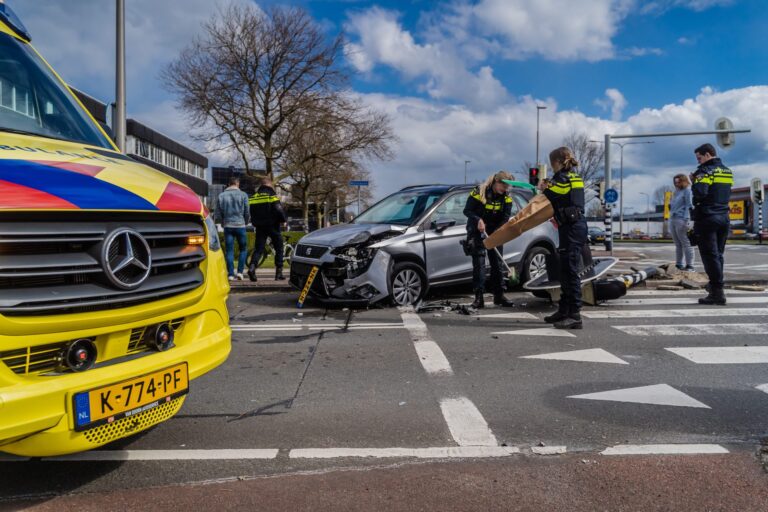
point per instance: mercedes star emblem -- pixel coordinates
(126, 258)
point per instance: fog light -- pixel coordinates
(78, 356)
(160, 337)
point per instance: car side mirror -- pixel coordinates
(442, 225)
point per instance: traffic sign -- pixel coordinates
(611, 195)
(358, 183)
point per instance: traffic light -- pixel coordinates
(758, 192)
(533, 176)
(725, 140)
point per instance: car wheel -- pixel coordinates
(535, 263)
(407, 284)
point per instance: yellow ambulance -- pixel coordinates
(112, 282)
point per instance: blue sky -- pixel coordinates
(461, 78)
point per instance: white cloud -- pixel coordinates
(443, 74)
(554, 29)
(436, 139)
(613, 101)
(660, 6)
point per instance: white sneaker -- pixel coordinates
(231, 278)
(240, 276)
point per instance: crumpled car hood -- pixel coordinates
(342, 234)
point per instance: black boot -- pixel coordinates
(500, 300)
(479, 300)
(279, 274)
(715, 297)
(252, 273)
(556, 317)
(572, 321)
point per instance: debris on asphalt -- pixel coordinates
(749, 288)
(691, 285)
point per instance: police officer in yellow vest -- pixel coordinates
(712, 182)
(267, 216)
(566, 193)
(488, 207)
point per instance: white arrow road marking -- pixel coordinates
(723, 355)
(658, 394)
(674, 313)
(692, 329)
(664, 449)
(590, 355)
(762, 387)
(544, 331)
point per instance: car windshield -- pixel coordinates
(401, 208)
(34, 102)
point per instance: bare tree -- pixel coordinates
(329, 145)
(590, 155)
(249, 74)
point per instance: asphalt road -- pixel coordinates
(315, 393)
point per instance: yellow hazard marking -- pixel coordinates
(308, 285)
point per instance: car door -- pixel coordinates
(445, 258)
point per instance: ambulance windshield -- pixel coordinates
(34, 102)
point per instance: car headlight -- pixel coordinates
(213, 235)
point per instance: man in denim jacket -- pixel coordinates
(233, 213)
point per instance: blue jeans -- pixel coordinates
(230, 235)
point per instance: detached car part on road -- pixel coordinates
(404, 245)
(112, 281)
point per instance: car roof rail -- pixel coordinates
(425, 185)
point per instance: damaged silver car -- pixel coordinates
(406, 244)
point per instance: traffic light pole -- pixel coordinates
(609, 138)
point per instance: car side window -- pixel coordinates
(518, 202)
(452, 209)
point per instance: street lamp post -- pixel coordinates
(621, 180)
(119, 121)
(465, 170)
(539, 108)
(647, 213)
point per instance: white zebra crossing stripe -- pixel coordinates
(723, 355)
(664, 449)
(692, 329)
(673, 301)
(659, 394)
(467, 425)
(591, 355)
(512, 316)
(691, 293)
(673, 313)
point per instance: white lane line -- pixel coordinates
(298, 325)
(590, 355)
(122, 455)
(692, 329)
(756, 299)
(548, 450)
(542, 331)
(672, 313)
(430, 355)
(698, 293)
(664, 449)
(467, 425)
(762, 387)
(442, 452)
(512, 316)
(723, 355)
(658, 394)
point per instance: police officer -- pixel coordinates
(267, 216)
(712, 182)
(566, 193)
(488, 207)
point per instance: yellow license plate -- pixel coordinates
(110, 403)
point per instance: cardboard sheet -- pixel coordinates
(536, 212)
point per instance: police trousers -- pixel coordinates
(274, 234)
(712, 232)
(496, 282)
(572, 239)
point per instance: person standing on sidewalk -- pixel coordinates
(267, 216)
(712, 182)
(566, 193)
(233, 213)
(680, 216)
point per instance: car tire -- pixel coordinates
(535, 262)
(407, 284)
